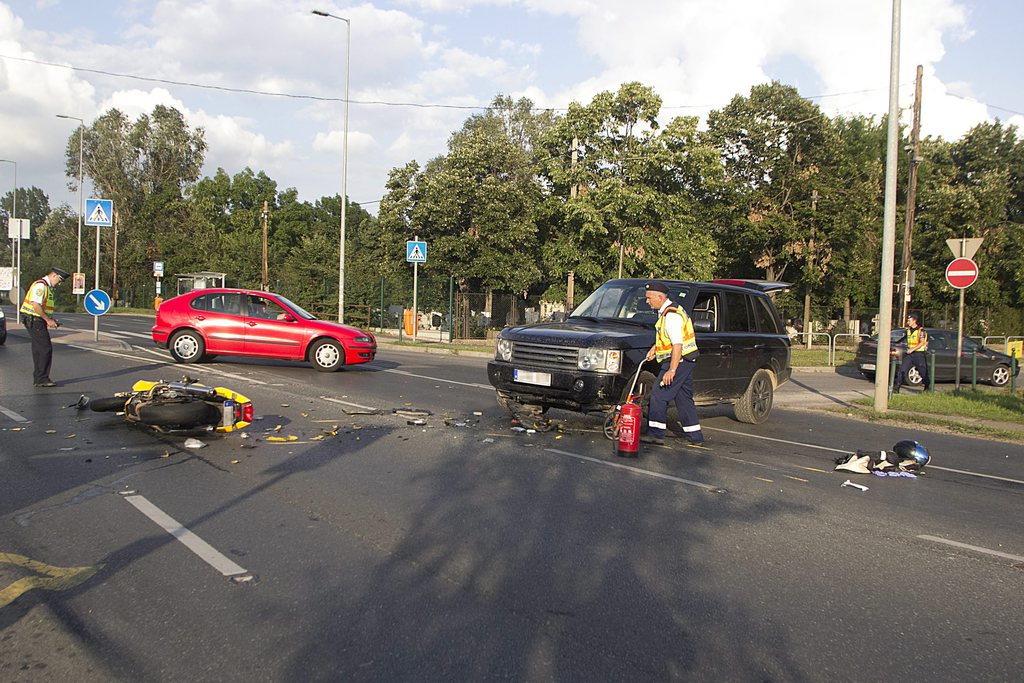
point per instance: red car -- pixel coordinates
(240, 322)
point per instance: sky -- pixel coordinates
(419, 68)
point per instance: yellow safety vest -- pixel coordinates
(47, 299)
(662, 343)
(917, 340)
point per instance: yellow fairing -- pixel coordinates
(229, 395)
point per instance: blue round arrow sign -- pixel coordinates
(97, 302)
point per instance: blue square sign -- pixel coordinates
(416, 252)
(99, 212)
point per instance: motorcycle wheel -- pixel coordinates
(107, 404)
(185, 415)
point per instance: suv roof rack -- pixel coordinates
(760, 285)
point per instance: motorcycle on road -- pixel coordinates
(178, 406)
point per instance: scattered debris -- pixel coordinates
(285, 405)
(51, 431)
(477, 413)
(855, 486)
(411, 412)
(194, 443)
(488, 441)
(416, 423)
(235, 462)
(70, 436)
(67, 448)
(280, 439)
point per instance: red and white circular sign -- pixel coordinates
(961, 273)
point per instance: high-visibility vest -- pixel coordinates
(662, 343)
(47, 299)
(917, 340)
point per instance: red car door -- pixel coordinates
(218, 317)
(272, 331)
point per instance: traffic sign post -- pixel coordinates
(415, 253)
(100, 213)
(961, 273)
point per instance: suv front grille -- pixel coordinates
(549, 356)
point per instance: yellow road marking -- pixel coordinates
(763, 479)
(52, 579)
(814, 469)
(789, 476)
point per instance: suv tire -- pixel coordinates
(755, 405)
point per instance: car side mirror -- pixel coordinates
(702, 326)
(288, 318)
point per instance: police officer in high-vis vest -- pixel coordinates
(675, 348)
(37, 314)
(917, 352)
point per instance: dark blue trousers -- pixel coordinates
(680, 391)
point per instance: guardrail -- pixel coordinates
(835, 344)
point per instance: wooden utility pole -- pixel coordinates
(908, 228)
(808, 327)
(265, 281)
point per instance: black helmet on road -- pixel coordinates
(912, 455)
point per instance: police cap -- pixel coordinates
(653, 286)
(64, 275)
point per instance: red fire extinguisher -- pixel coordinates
(630, 416)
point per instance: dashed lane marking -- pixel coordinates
(204, 550)
(13, 415)
(48, 577)
(637, 470)
(975, 548)
(438, 379)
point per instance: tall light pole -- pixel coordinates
(81, 206)
(344, 163)
(14, 214)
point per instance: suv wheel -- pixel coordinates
(756, 403)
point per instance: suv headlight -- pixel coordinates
(600, 360)
(503, 350)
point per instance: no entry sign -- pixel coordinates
(961, 273)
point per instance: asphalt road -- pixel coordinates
(461, 549)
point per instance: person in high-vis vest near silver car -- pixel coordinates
(37, 315)
(917, 353)
(675, 348)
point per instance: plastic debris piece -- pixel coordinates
(70, 436)
(194, 443)
(477, 413)
(411, 412)
(51, 431)
(67, 448)
(416, 423)
(244, 435)
(284, 405)
(519, 430)
(277, 428)
(855, 486)
(488, 441)
(279, 439)
(304, 414)
(531, 431)
(318, 437)
(235, 462)
(370, 411)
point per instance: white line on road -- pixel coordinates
(204, 550)
(13, 415)
(438, 379)
(213, 371)
(977, 549)
(637, 470)
(347, 403)
(840, 450)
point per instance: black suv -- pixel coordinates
(587, 362)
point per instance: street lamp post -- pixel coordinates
(14, 214)
(81, 210)
(344, 163)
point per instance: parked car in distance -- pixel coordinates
(238, 322)
(993, 366)
(586, 362)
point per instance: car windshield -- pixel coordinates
(624, 301)
(297, 309)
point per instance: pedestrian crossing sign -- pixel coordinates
(99, 212)
(416, 252)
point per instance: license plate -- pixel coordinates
(867, 366)
(526, 377)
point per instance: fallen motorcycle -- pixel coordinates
(178, 406)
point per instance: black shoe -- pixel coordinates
(652, 440)
(896, 390)
(47, 383)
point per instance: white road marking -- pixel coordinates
(204, 550)
(977, 549)
(637, 470)
(840, 450)
(347, 403)
(439, 379)
(212, 371)
(13, 415)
